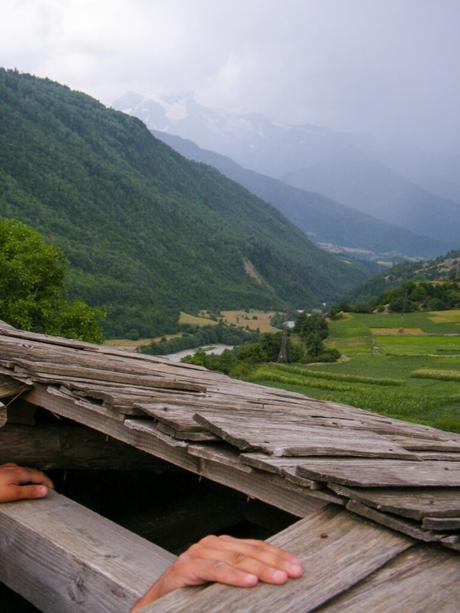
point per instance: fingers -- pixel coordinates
(28, 492)
(266, 562)
(21, 475)
(198, 571)
(264, 552)
(9, 465)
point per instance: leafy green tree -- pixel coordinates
(308, 324)
(32, 279)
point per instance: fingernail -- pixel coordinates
(295, 569)
(279, 575)
(248, 578)
(42, 490)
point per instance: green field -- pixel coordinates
(400, 375)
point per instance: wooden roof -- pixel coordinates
(393, 482)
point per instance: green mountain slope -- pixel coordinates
(147, 232)
(322, 219)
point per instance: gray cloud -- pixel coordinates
(389, 67)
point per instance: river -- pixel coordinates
(215, 349)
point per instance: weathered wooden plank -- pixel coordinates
(149, 428)
(283, 465)
(222, 453)
(287, 467)
(419, 444)
(441, 523)
(383, 473)
(44, 371)
(65, 558)
(43, 340)
(69, 446)
(391, 521)
(337, 551)
(276, 437)
(414, 503)
(197, 435)
(438, 455)
(100, 361)
(179, 418)
(421, 579)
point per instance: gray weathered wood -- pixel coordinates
(421, 579)
(276, 437)
(44, 371)
(441, 523)
(383, 473)
(337, 551)
(197, 435)
(419, 444)
(222, 454)
(414, 503)
(65, 558)
(283, 465)
(395, 523)
(438, 455)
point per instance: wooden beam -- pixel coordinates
(64, 558)
(70, 446)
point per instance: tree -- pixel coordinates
(32, 283)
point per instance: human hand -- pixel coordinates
(224, 559)
(15, 483)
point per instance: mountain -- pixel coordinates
(252, 140)
(148, 232)
(334, 226)
(373, 188)
(378, 178)
(443, 268)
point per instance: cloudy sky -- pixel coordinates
(389, 67)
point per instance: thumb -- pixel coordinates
(25, 492)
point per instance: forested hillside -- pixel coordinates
(146, 231)
(324, 220)
(444, 268)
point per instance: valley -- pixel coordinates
(407, 367)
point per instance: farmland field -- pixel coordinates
(194, 320)
(251, 319)
(415, 377)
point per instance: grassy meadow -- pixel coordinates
(386, 367)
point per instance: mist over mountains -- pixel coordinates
(375, 178)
